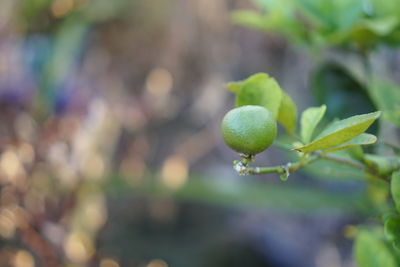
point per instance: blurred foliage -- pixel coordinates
(274, 197)
(334, 86)
(386, 94)
(371, 250)
(354, 24)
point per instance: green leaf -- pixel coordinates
(383, 165)
(371, 251)
(356, 152)
(234, 87)
(341, 132)
(349, 11)
(281, 17)
(262, 90)
(378, 26)
(31, 9)
(362, 139)
(309, 120)
(395, 189)
(287, 115)
(369, 32)
(377, 191)
(392, 228)
(249, 19)
(386, 95)
(386, 8)
(333, 15)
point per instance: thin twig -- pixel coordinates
(345, 161)
(243, 168)
(281, 169)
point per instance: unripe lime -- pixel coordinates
(249, 129)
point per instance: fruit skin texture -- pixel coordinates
(249, 129)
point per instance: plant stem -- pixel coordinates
(281, 169)
(291, 167)
(366, 63)
(345, 161)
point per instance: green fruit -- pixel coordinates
(249, 129)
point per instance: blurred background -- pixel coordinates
(110, 150)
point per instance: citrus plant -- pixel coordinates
(250, 128)
(353, 45)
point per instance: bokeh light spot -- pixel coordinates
(7, 223)
(159, 82)
(108, 263)
(157, 263)
(174, 172)
(26, 153)
(10, 165)
(95, 212)
(78, 247)
(23, 259)
(93, 166)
